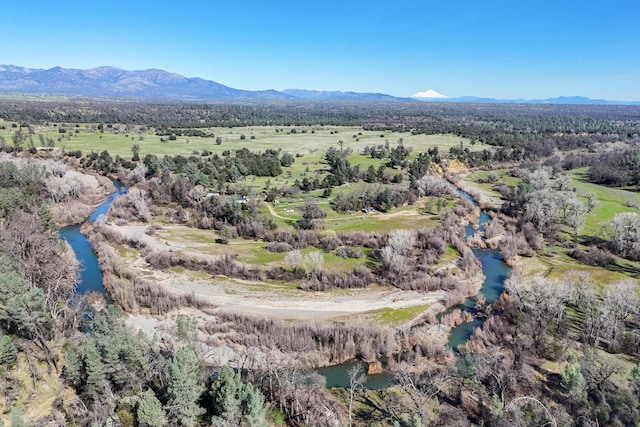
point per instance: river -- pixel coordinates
(90, 279)
(495, 271)
(493, 267)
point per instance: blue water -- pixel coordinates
(337, 376)
(104, 208)
(90, 279)
(495, 271)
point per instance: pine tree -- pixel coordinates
(254, 409)
(184, 388)
(150, 412)
(96, 378)
(8, 353)
(226, 393)
(236, 402)
(573, 380)
(635, 379)
(72, 369)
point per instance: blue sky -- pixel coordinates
(492, 48)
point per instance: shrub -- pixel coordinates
(594, 256)
(279, 247)
(347, 252)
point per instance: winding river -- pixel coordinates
(493, 267)
(495, 271)
(90, 274)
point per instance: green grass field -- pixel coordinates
(312, 144)
(610, 201)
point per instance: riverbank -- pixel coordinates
(93, 189)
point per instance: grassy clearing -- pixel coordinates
(555, 264)
(405, 217)
(126, 252)
(38, 403)
(479, 178)
(390, 316)
(451, 255)
(610, 201)
(311, 145)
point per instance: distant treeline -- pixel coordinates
(496, 124)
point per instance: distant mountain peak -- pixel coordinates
(156, 84)
(429, 94)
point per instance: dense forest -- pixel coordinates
(560, 346)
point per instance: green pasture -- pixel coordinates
(309, 142)
(557, 263)
(390, 316)
(475, 178)
(407, 217)
(611, 201)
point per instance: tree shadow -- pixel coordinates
(624, 269)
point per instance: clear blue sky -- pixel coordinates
(493, 48)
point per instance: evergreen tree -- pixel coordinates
(573, 380)
(150, 412)
(72, 369)
(8, 353)
(184, 388)
(236, 402)
(96, 378)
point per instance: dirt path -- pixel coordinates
(273, 213)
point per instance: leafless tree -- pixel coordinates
(620, 301)
(514, 404)
(624, 234)
(544, 301)
(137, 175)
(313, 262)
(294, 259)
(434, 185)
(42, 260)
(592, 201)
(401, 241)
(197, 194)
(422, 382)
(356, 381)
(394, 262)
(137, 198)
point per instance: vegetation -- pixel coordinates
(321, 203)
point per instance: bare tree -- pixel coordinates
(137, 174)
(393, 261)
(356, 381)
(514, 404)
(624, 234)
(294, 259)
(401, 241)
(137, 198)
(620, 300)
(422, 382)
(592, 201)
(313, 262)
(598, 370)
(434, 185)
(544, 301)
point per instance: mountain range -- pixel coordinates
(160, 85)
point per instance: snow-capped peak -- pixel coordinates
(429, 94)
